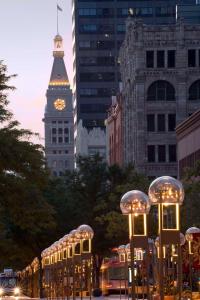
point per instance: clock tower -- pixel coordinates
(58, 117)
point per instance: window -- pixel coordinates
(60, 139)
(84, 44)
(171, 122)
(191, 58)
(172, 153)
(53, 122)
(171, 58)
(88, 28)
(54, 151)
(53, 130)
(60, 130)
(92, 77)
(167, 11)
(161, 122)
(66, 151)
(160, 59)
(149, 59)
(87, 12)
(66, 130)
(66, 139)
(161, 153)
(66, 163)
(194, 91)
(54, 140)
(150, 122)
(121, 28)
(151, 153)
(161, 91)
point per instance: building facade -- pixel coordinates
(114, 132)
(58, 118)
(189, 12)
(160, 68)
(98, 32)
(91, 142)
(188, 142)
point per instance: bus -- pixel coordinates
(9, 283)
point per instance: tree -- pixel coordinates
(26, 218)
(191, 205)
(91, 195)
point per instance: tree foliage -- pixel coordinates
(26, 218)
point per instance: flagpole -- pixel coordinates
(57, 19)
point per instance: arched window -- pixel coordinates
(194, 91)
(161, 90)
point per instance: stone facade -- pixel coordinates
(58, 118)
(114, 132)
(159, 64)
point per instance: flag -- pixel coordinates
(59, 8)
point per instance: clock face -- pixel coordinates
(59, 104)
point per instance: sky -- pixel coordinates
(27, 30)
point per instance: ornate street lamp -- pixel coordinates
(168, 194)
(85, 234)
(189, 238)
(136, 205)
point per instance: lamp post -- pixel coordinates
(168, 194)
(136, 205)
(189, 238)
(85, 233)
(121, 250)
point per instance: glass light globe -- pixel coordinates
(85, 232)
(73, 236)
(127, 248)
(189, 233)
(182, 239)
(167, 190)
(65, 241)
(135, 202)
(121, 249)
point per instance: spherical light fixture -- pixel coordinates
(166, 190)
(135, 202)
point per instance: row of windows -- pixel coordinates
(60, 164)
(94, 92)
(99, 12)
(161, 122)
(97, 45)
(163, 59)
(60, 152)
(167, 59)
(124, 12)
(93, 123)
(101, 76)
(60, 140)
(162, 90)
(159, 153)
(59, 122)
(97, 61)
(93, 108)
(60, 130)
(96, 28)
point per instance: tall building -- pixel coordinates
(161, 87)
(189, 12)
(188, 143)
(98, 32)
(58, 118)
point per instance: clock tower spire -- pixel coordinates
(58, 117)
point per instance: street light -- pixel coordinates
(85, 233)
(136, 205)
(189, 238)
(168, 194)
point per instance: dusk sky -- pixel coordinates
(27, 31)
